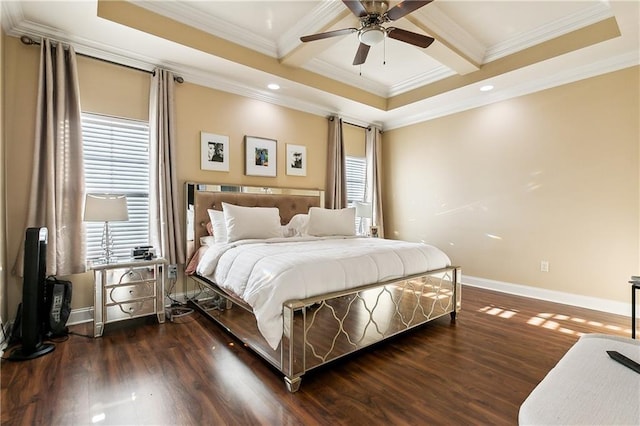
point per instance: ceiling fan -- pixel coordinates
(373, 14)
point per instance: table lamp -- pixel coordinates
(364, 210)
(106, 208)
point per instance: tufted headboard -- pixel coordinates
(201, 197)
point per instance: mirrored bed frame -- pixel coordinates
(319, 329)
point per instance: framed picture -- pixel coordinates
(373, 232)
(214, 152)
(260, 156)
(296, 160)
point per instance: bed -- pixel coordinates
(318, 307)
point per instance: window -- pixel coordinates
(116, 161)
(356, 180)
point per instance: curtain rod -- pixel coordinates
(357, 125)
(29, 41)
(362, 127)
(351, 124)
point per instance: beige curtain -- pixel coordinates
(164, 200)
(57, 181)
(373, 190)
(336, 192)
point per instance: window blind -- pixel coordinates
(356, 178)
(116, 161)
(356, 173)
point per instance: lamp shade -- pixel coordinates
(363, 209)
(105, 208)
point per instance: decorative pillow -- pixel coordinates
(330, 222)
(251, 222)
(286, 232)
(297, 226)
(209, 228)
(219, 225)
(209, 240)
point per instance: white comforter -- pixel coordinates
(267, 273)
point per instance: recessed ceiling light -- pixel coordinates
(273, 86)
(486, 88)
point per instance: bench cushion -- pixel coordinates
(587, 386)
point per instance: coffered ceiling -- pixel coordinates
(241, 46)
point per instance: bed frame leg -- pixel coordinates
(293, 384)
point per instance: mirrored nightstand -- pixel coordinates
(127, 289)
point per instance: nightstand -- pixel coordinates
(635, 285)
(127, 289)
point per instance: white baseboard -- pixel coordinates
(604, 305)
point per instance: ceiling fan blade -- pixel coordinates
(356, 7)
(405, 8)
(328, 34)
(410, 37)
(361, 54)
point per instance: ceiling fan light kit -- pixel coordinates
(372, 35)
(372, 15)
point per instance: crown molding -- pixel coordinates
(442, 109)
(189, 15)
(596, 13)
(351, 78)
(326, 11)
(11, 15)
(434, 18)
(420, 80)
(85, 47)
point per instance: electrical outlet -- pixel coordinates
(172, 272)
(544, 266)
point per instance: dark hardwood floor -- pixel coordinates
(476, 371)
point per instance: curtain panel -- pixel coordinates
(373, 190)
(336, 187)
(57, 182)
(164, 206)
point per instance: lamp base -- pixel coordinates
(107, 245)
(105, 260)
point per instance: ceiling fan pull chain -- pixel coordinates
(384, 50)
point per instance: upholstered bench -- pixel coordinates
(588, 387)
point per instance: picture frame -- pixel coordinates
(214, 152)
(373, 232)
(260, 156)
(296, 160)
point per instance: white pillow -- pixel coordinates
(298, 225)
(219, 225)
(251, 222)
(328, 222)
(208, 240)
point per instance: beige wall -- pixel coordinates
(20, 69)
(549, 176)
(3, 266)
(202, 109)
(354, 139)
(119, 91)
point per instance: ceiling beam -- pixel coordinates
(304, 52)
(454, 47)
